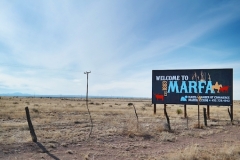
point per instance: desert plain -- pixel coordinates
(63, 125)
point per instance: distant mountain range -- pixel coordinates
(15, 94)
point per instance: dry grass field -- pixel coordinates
(62, 127)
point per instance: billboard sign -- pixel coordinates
(210, 86)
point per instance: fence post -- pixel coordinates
(34, 137)
(168, 121)
(205, 116)
(231, 112)
(136, 115)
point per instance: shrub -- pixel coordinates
(130, 104)
(179, 111)
(35, 110)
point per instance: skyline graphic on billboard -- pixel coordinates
(210, 86)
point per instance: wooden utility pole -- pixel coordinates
(87, 85)
(87, 105)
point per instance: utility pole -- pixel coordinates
(87, 104)
(87, 86)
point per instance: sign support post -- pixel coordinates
(205, 116)
(208, 112)
(155, 109)
(185, 111)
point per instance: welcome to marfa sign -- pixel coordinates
(210, 86)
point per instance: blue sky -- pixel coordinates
(46, 46)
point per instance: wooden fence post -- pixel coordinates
(231, 112)
(136, 116)
(168, 121)
(34, 137)
(205, 116)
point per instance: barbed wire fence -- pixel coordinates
(54, 120)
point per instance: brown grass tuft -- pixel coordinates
(197, 126)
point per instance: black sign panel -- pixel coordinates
(210, 86)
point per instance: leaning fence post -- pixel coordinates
(230, 112)
(34, 137)
(136, 115)
(168, 121)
